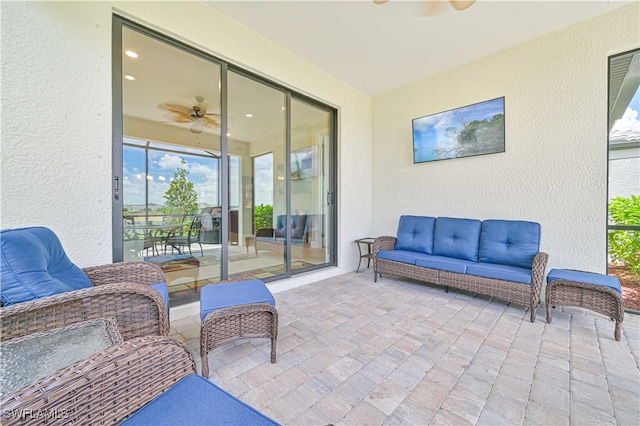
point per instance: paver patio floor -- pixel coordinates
(351, 351)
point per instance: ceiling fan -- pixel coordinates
(436, 7)
(197, 115)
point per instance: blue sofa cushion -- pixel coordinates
(501, 272)
(458, 238)
(218, 296)
(585, 277)
(194, 400)
(415, 233)
(404, 256)
(445, 263)
(34, 265)
(509, 242)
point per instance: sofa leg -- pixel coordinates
(533, 313)
(375, 276)
(446, 289)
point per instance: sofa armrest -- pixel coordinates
(138, 272)
(106, 387)
(138, 309)
(383, 243)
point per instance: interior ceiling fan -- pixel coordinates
(197, 115)
(436, 7)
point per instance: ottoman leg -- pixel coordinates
(617, 332)
(549, 314)
(273, 349)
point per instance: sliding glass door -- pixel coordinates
(218, 173)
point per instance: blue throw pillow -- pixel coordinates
(34, 265)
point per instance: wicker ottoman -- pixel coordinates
(236, 310)
(596, 292)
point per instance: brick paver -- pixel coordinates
(351, 351)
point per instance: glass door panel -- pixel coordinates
(171, 162)
(310, 146)
(257, 148)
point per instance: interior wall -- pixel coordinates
(554, 170)
(57, 126)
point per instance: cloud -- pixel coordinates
(629, 121)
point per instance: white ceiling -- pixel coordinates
(377, 48)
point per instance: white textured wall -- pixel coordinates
(624, 177)
(56, 114)
(554, 170)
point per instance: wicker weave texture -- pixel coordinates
(509, 291)
(138, 309)
(237, 322)
(104, 388)
(597, 298)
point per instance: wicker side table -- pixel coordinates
(598, 293)
(236, 310)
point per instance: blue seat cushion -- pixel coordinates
(163, 289)
(445, 264)
(34, 265)
(501, 272)
(218, 296)
(509, 242)
(458, 238)
(194, 400)
(415, 233)
(404, 256)
(585, 277)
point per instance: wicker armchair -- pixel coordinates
(121, 291)
(104, 388)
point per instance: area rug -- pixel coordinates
(171, 262)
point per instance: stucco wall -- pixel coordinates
(56, 114)
(554, 170)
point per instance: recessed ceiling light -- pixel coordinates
(129, 77)
(131, 53)
(248, 115)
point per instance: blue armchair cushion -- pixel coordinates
(298, 223)
(218, 296)
(194, 400)
(458, 238)
(585, 277)
(34, 265)
(509, 242)
(163, 289)
(415, 233)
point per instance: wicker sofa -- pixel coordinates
(498, 258)
(42, 289)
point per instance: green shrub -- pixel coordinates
(624, 245)
(263, 216)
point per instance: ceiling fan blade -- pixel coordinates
(178, 117)
(211, 122)
(461, 4)
(176, 108)
(434, 7)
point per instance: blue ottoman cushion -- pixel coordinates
(218, 296)
(196, 401)
(585, 277)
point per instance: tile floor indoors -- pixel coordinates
(351, 351)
